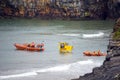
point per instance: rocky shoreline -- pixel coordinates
(110, 70)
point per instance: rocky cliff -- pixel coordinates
(110, 70)
(71, 9)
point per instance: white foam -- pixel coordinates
(34, 72)
(19, 75)
(76, 35)
(93, 35)
(55, 69)
(86, 62)
(61, 68)
(65, 67)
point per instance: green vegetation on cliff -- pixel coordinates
(116, 35)
(116, 30)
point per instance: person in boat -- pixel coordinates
(28, 45)
(97, 53)
(40, 45)
(62, 45)
(32, 44)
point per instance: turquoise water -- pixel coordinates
(50, 64)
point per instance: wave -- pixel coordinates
(76, 35)
(100, 34)
(19, 75)
(54, 69)
(61, 68)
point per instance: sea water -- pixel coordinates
(50, 64)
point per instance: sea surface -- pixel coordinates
(50, 64)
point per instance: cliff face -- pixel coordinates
(104, 8)
(91, 9)
(110, 70)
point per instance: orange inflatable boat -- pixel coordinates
(29, 48)
(94, 53)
